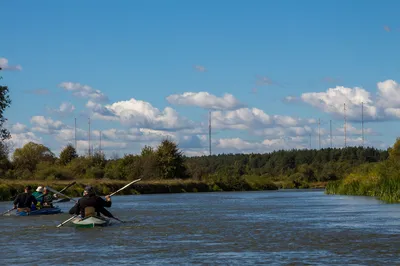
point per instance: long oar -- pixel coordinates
(109, 214)
(73, 183)
(66, 221)
(8, 211)
(137, 180)
(57, 192)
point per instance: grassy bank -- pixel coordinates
(9, 188)
(380, 180)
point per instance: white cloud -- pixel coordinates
(136, 113)
(352, 130)
(263, 80)
(246, 118)
(205, 100)
(65, 109)
(332, 101)
(236, 145)
(84, 91)
(18, 140)
(18, 128)
(5, 66)
(46, 125)
(389, 98)
(200, 68)
(385, 105)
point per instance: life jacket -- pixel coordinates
(90, 211)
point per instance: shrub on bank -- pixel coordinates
(381, 180)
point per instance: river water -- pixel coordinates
(286, 227)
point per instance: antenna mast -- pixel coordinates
(209, 131)
(75, 136)
(330, 128)
(319, 135)
(100, 142)
(345, 137)
(362, 122)
(89, 135)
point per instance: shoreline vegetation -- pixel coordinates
(380, 179)
(165, 169)
(10, 188)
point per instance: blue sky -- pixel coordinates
(144, 56)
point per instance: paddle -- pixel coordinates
(61, 224)
(134, 181)
(57, 192)
(109, 214)
(73, 183)
(8, 211)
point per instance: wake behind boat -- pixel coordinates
(90, 222)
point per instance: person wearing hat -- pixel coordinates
(24, 201)
(91, 204)
(38, 193)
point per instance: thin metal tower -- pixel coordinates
(89, 134)
(75, 136)
(100, 143)
(330, 129)
(209, 131)
(345, 137)
(319, 135)
(362, 122)
(310, 141)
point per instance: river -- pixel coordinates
(285, 227)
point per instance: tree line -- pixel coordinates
(167, 161)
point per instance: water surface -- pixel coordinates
(286, 227)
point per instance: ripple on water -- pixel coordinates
(239, 228)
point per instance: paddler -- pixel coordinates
(91, 204)
(24, 201)
(48, 198)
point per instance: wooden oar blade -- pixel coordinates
(131, 183)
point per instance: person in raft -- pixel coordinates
(38, 194)
(48, 198)
(24, 201)
(91, 204)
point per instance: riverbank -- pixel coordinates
(380, 180)
(10, 188)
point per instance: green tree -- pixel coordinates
(170, 160)
(5, 102)
(148, 163)
(30, 155)
(394, 152)
(68, 154)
